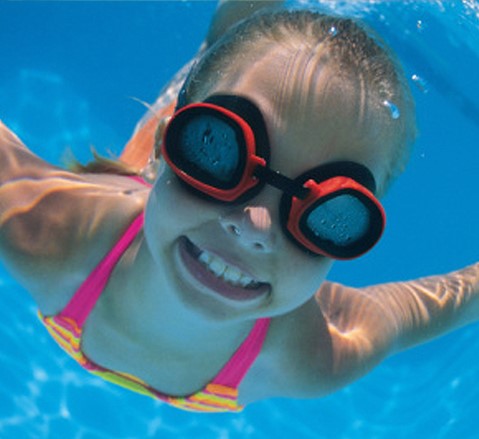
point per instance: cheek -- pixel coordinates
(299, 277)
(308, 274)
(171, 210)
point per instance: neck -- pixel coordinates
(153, 314)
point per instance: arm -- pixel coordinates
(429, 307)
(55, 225)
(342, 333)
(15, 159)
(368, 324)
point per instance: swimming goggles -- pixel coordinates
(220, 149)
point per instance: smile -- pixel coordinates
(226, 272)
(219, 276)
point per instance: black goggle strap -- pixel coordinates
(296, 188)
(181, 100)
(281, 182)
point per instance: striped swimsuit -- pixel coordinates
(219, 395)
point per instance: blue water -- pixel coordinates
(67, 76)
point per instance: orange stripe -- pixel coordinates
(214, 398)
(219, 389)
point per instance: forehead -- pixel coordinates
(312, 115)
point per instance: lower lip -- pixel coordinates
(202, 275)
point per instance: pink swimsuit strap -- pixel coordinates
(85, 298)
(238, 365)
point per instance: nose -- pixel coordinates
(251, 227)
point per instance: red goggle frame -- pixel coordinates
(230, 132)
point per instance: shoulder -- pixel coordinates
(295, 360)
(333, 339)
(56, 226)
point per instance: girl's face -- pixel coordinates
(234, 262)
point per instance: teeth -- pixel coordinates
(205, 257)
(217, 267)
(226, 272)
(232, 274)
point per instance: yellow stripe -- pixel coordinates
(187, 404)
(64, 343)
(214, 398)
(112, 377)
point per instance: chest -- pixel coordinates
(170, 371)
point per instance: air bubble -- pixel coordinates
(333, 31)
(208, 138)
(394, 110)
(420, 83)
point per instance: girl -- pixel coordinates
(195, 272)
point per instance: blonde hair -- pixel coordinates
(355, 53)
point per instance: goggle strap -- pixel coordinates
(281, 182)
(181, 100)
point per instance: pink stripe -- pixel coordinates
(87, 295)
(236, 368)
(139, 179)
